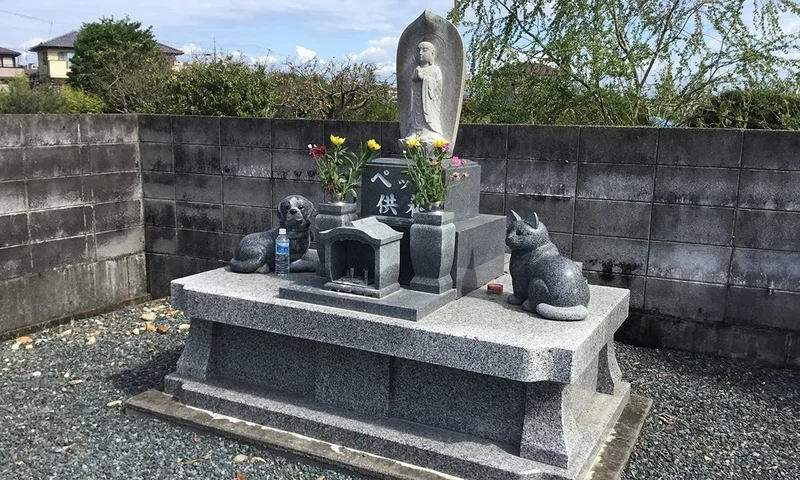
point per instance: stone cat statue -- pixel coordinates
(544, 281)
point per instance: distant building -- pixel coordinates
(9, 67)
(55, 56)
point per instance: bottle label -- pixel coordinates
(282, 249)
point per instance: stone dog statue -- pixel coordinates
(544, 281)
(296, 214)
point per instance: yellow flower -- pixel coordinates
(414, 142)
(373, 145)
(440, 143)
(337, 140)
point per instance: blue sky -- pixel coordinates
(367, 29)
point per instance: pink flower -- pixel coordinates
(458, 162)
(318, 152)
(434, 163)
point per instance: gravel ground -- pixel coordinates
(712, 418)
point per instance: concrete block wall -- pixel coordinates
(703, 226)
(71, 234)
(208, 181)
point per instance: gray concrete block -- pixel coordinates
(769, 190)
(768, 229)
(195, 130)
(137, 275)
(296, 134)
(352, 379)
(60, 253)
(544, 143)
(197, 159)
(616, 182)
(700, 147)
(458, 400)
(768, 346)
(114, 187)
(611, 218)
(610, 255)
(199, 216)
(390, 134)
(685, 261)
(111, 281)
(481, 141)
(13, 197)
(198, 188)
(39, 130)
(17, 311)
(562, 241)
(208, 245)
(702, 302)
(11, 164)
(158, 185)
(56, 192)
(254, 192)
(759, 308)
(247, 162)
(282, 188)
(772, 150)
(109, 128)
(117, 215)
(155, 128)
(697, 185)
(15, 262)
(687, 223)
(120, 243)
(160, 240)
(15, 230)
(618, 145)
(58, 223)
(275, 361)
(492, 204)
(555, 212)
(161, 269)
(230, 242)
(69, 289)
(493, 174)
(159, 213)
(245, 132)
(766, 269)
(47, 162)
(541, 178)
(113, 157)
(634, 283)
(356, 133)
(156, 156)
(11, 130)
(793, 349)
(293, 165)
(243, 220)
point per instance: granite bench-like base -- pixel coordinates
(477, 389)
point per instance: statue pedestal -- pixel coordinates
(476, 389)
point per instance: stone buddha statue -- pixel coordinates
(424, 116)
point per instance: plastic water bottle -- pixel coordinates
(282, 257)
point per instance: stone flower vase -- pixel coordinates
(331, 215)
(433, 243)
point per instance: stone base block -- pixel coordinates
(401, 303)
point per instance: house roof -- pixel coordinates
(68, 40)
(5, 51)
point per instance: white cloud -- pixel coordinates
(264, 60)
(304, 54)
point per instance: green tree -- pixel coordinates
(120, 62)
(775, 106)
(223, 86)
(335, 90)
(627, 60)
(21, 98)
